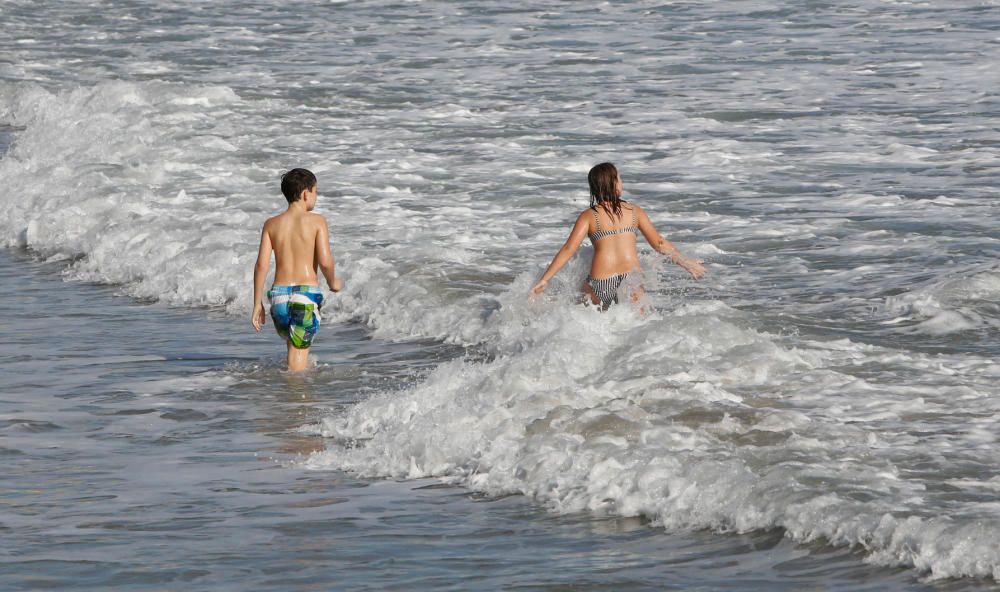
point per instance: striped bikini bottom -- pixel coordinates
(606, 289)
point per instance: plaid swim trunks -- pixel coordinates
(295, 311)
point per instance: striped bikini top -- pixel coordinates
(599, 234)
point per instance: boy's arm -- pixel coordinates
(260, 270)
(665, 247)
(324, 258)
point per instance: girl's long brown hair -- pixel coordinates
(603, 188)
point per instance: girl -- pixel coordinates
(612, 224)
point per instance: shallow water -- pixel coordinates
(833, 379)
(159, 449)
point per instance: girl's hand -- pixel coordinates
(337, 284)
(695, 267)
(539, 288)
(257, 317)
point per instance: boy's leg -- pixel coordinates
(298, 359)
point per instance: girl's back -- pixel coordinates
(613, 237)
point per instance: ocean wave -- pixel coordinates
(162, 188)
(691, 417)
(135, 183)
(954, 303)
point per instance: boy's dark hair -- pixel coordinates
(295, 181)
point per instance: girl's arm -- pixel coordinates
(566, 253)
(665, 247)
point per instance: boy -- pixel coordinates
(301, 243)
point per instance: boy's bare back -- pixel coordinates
(300, 241)
(297, 239)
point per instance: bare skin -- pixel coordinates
(300, 242)
(616, 253)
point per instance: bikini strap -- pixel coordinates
(597, 219)
(633, 215)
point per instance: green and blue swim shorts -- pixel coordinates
(295, 311)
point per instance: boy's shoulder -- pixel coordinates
(268, 225)
(310, 216)
(317, 220)
(311, 219)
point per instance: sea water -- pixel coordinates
(821, 410)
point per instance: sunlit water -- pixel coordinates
(829, 390)
(151, 449)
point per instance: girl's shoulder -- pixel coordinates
(632, 206)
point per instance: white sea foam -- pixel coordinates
(131, 177)
(692, 419)
(966, 301)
